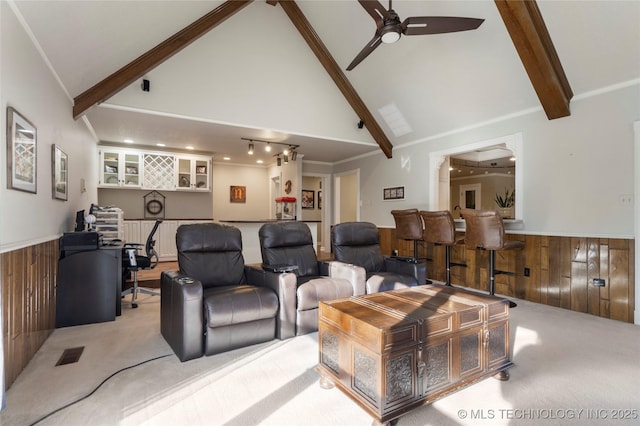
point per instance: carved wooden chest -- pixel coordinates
(393, 351)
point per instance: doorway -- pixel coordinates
(471, 196)
(347, 194)
(318, 208)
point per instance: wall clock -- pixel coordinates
(154, 207)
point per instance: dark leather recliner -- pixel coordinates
(358, 243)
(291, 268)
(208, 306)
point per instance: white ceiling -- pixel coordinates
(253, 76)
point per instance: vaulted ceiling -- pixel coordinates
(255, 76)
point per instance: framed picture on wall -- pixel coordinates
(394, 193)
(59, 173)
(308, 199)
(21, 152)
(238, 194)
(319, 200)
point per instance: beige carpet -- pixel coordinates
(570, 368)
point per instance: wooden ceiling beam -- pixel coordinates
(154, 57)
(330, 65)
(538, 55)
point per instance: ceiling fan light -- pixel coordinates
(390, 34)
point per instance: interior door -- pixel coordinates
(471, 196)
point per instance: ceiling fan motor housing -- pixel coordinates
(391, 30)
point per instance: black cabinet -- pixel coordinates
(89, 285)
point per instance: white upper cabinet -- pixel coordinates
(120, 169)
(131, 168)
(193, 173)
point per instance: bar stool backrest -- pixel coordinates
(408, 224)
(484, 229)
(439, 227)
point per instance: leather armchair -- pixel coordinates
(292, 270)
(208, 306)
(358, 243)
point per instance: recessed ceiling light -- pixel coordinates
(128, 141)
(226, 158)
(160, 144)
(189, 147)
(259, 161)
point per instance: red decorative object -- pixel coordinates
(286, 208)
(286, 200)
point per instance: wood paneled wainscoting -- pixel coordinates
(552, 270)
(28, 303)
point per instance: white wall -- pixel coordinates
(28, 85)
(575, 168)
(257, 181)
(278, 83)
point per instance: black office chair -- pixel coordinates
(132, 262)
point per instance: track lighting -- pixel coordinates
(288, 152)
(279, 161)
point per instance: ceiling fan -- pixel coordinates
(389, 26)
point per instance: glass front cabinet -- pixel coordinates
(131, 168)
(120, 168)
(193, 173)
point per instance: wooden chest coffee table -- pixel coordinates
(393, 351)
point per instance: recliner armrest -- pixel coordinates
(181, 314)
(285, 286)
(399, 266)
(356, 275)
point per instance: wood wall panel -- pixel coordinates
(28, 303)
(593, 271)
(618, 275)
(561, 271)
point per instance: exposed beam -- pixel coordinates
(330, 65)
(154, 57)
(538, 55)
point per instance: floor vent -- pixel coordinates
(71, 355)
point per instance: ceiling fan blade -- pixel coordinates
(375, 42)
(419, 25)
(376, 10)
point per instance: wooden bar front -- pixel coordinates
(393, 351)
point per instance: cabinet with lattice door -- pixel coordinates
(159, 171)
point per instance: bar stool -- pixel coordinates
(485, 231)
(440, 229)
(409, 227)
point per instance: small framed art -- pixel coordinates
(308, 199)
(59, 174)
(393, 193)
(238, 194)
(22, 152)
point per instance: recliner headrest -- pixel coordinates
(208, 237)
(285, 234)
(355, 234)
